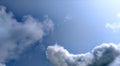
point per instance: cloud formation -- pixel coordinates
(107, 54)
(2, 64)
(115, 26)
(16, 36)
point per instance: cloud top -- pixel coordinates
(106, 54)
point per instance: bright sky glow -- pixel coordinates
(118, 15)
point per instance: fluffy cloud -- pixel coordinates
(115, 26)
(107, 54)
(16, 36)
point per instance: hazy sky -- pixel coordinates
(78, 26)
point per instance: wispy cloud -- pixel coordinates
(67, 18)
(115, 26)
(16, 36)
(106, 54)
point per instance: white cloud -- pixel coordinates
(103, 55)
(67, 18)
(16, 36)
(2, 64)
(115, 26)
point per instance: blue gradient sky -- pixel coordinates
(79, 25)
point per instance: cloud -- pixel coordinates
(107, 54)
(115, 26)
(67, 18)
(2, 64)
(16, 36)
(116, 62)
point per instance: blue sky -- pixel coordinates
(79, 26)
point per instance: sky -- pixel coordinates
(59, 33)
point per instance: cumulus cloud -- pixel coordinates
(116, 62)
(115, 26)
(16, 36)
(107, 54)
